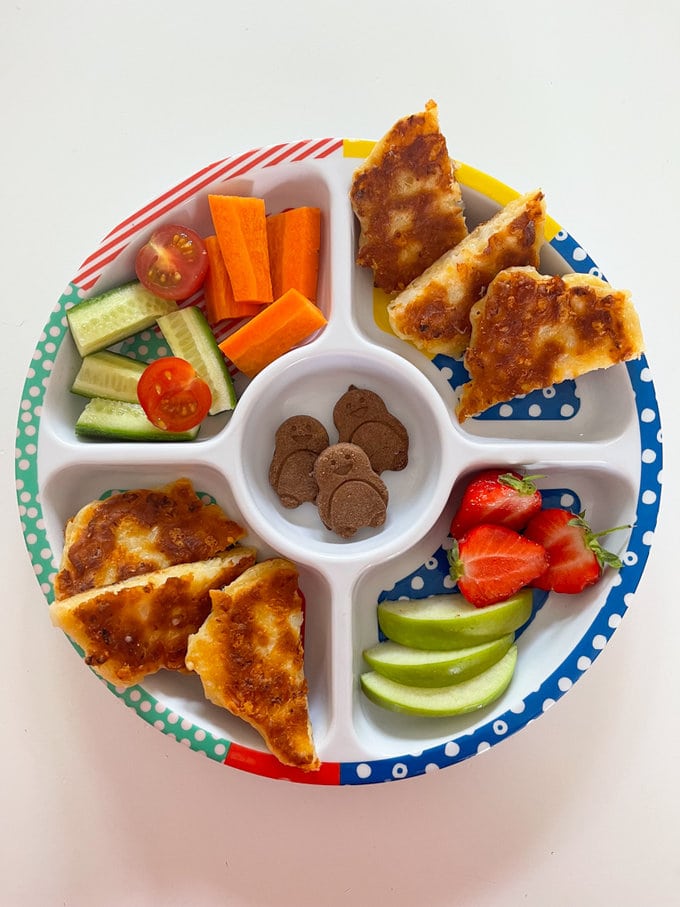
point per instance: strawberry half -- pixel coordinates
(490, 563)
(497, 496)
(575, 557)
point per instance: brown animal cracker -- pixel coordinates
(362, 418)
(298, 442)
(351, 495)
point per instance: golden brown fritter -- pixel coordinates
(407, 201)
(249, 656)
(433, 312)
(140, 625)
(531, 331)
(135, 532)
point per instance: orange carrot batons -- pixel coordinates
(274, 331)
(294, 238)
(241, 230)
(219, 296)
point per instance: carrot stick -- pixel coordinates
(294, 237)
(240, 226)
(219, 296)
(276, 330)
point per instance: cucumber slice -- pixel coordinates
(109, 375)
(120, 421)
(112, 316)
(190, 337)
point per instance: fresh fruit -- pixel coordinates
(173, 263)
(497, 496)
(445, 622)
(432, 668)
(172, 394)
(575, 557)
(491, 563)
(456, 699)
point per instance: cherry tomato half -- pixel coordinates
(173, 263)
(172, 395)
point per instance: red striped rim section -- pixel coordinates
(229, 168)
(269, 766)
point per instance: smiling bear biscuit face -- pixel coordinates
(362, 418)
(298, 442)
(351, 495)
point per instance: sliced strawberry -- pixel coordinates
(490, 563)
(575, 557)
(497, 496)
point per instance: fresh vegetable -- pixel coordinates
(575, 557)
(103, 320)
(173, 263)
(493, 562)
(497, 496)
(240, 226)
(456, 699)
(189, 337)
(172, 395)
(432, 668)
(219, 296)
(276, 330)
(444, 622)
(109, 375)
(116, 420)
(294, 238)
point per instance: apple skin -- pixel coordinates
(440, 702)
(434, 668)
(450, 622)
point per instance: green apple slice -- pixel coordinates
(450, 622)
(432, 668)
(456, 699)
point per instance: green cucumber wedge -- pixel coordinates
(109, 375)
(112, 316)
(431, 668)
(116, 420)
(457, 699)
(190, 337)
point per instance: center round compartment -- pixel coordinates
(312, 386)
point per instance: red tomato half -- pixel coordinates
(173, 263)
(172, 395)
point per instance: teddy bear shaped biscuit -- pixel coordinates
(298, 442)
(362, 418)
(351, 495)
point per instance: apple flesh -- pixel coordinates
(455, 699)
(445, 622)
(434, 668)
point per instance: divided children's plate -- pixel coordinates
(597, 441)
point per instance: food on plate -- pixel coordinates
(450, 621)
(173, 262)
(105, 319)
(279, 327)
(531, 330)
(241, 230)
(298, 442)
(576, 558)
(140, 531)
(108, 375)
(362, 418)
(173, 396)
(455, 699)
(139, 625)
(249, 656)
(217, 290)
(432, 667)
(497, 496)
(117, 420)
(433, 311)
(189, 337)
(294, 242)
(407, 200)
(351, 495)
